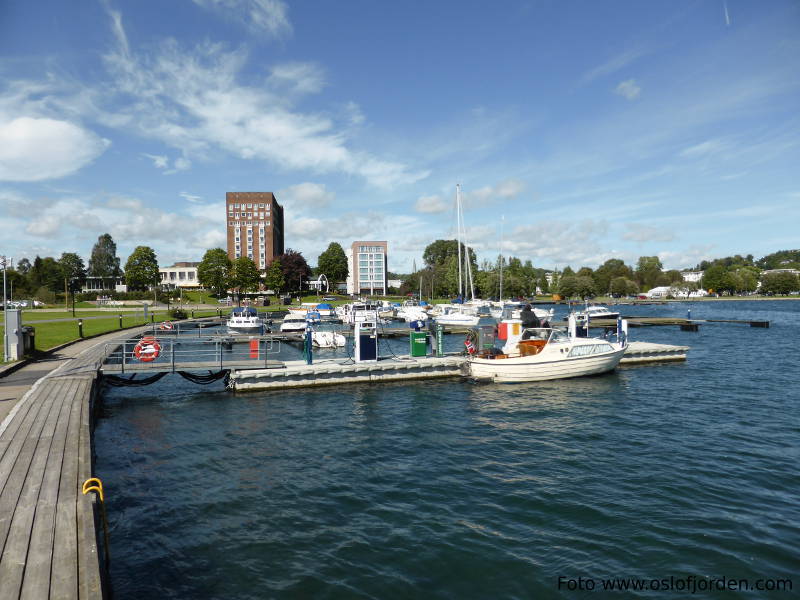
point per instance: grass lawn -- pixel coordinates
(49, 335)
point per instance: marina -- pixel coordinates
(399, 483)
(44, 443)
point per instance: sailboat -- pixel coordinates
(456, 314)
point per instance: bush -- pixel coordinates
(177, 314)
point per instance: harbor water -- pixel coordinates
(449, 489)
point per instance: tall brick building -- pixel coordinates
(255, 226)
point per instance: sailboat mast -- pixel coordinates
(458, 237)
(502, 224)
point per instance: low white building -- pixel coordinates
(180, 275)
(690, 276)
(666, 291)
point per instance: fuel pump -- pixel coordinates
(366, 342)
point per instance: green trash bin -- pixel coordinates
(419, 343)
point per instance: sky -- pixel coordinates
(579, 131)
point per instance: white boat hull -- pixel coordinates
(328, 339)
(458, 319)
(544, 366)
(244, 326)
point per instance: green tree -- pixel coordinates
(779, 283)
(543, 285)
(749, 277)
(274, 278)
(584, 286)
(730, 282)
(439, 251)
(214, 270)
(73, 269)
(23, 266)
(333, 263)
(622, 286)
(611, 269)
(568, 286)
(783, 259)
(104, 261)
(713, 277)
(46, 272)
(648, 271)
(141, 269)
(244, 275)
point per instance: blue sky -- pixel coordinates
(584, 130)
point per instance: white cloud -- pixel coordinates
(613, 64)
(43, 225)
(305, 196)
(640, 233)
(628, 89)
(297, 78)
(181, 164)
(259, 16)
(159, 160)
(353, 113)
(191, 198)
(505, 190)
(431, 204)
(704, 148)
(192, 101)
(35, 149)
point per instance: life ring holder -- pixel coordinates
(147, 350)
(166, 326)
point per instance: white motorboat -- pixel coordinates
(542, 353)
(245, 320)
(324, 309)
(358, 312)
(541, 314)
(328, 339)
(457, 317)
(411, 311)
(595, 312)
(294, 323)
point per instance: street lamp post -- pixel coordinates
(3, 263)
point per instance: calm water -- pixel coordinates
(455, 490)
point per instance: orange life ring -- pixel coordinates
(166, 326)
(147, 350)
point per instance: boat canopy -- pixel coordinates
(244, 311)
(324, 306)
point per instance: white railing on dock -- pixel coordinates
(201, 353)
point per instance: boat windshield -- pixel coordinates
(545, 333)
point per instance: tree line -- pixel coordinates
(48, 277)
(438, 276)
(44, 278)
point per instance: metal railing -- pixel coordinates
(184, 352)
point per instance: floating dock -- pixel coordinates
(292, 374)
(646, 352)
(299, 374)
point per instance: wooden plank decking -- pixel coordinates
(48, 539)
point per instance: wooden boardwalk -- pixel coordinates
(48, 534)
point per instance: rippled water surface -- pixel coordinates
(454, 490)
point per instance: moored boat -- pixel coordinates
(595, 312)
(245, 319)
(541, 354)
(293, 323)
